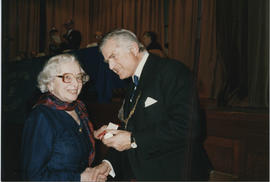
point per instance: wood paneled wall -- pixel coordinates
(238, 143)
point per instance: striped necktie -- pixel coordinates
(136, 80)
(136, 83)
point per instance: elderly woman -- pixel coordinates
(58, 141)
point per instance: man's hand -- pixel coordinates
(98, 134)
(120, 140)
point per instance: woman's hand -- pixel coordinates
(93, 174)
(98, 134)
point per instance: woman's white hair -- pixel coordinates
(52, 68)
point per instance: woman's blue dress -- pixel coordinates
(54, 148)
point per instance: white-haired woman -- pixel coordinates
(58, 141)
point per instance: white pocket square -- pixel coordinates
(149, 101)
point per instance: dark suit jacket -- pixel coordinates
(169, 132)
(73, 40)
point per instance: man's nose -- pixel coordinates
(111, 64)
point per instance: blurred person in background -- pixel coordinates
(72, 38)
(54, 42)
(151, 44)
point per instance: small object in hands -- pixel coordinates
(102, 134)
(110, 126)
(80, 129)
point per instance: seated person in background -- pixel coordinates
(72, 38)
(33, 54)
(151, 44)
(21, 56)
(98, 37)
(58, 138)
(55, 41)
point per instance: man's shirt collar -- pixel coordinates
(140, 66)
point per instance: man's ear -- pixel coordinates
(134, 49)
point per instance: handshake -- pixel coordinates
(97, 173)
(111, 137)
(101, 171)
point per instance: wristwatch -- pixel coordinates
(133, 142)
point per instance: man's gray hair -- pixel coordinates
(123, 37)
(52, 68)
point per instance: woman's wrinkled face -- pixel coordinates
(67, 92)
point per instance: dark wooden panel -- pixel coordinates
(224, 154)
(238, 143)
(256, 168)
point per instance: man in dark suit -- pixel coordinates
(162, 134)
(72, 38)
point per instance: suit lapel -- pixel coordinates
(147, 76)
(148, 72)
(127, 104)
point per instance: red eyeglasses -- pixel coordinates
(68, 77)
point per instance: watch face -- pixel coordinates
(133, 145)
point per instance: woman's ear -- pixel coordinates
(50, 87)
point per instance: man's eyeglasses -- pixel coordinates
(68, 77)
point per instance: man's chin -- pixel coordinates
(121, 77)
